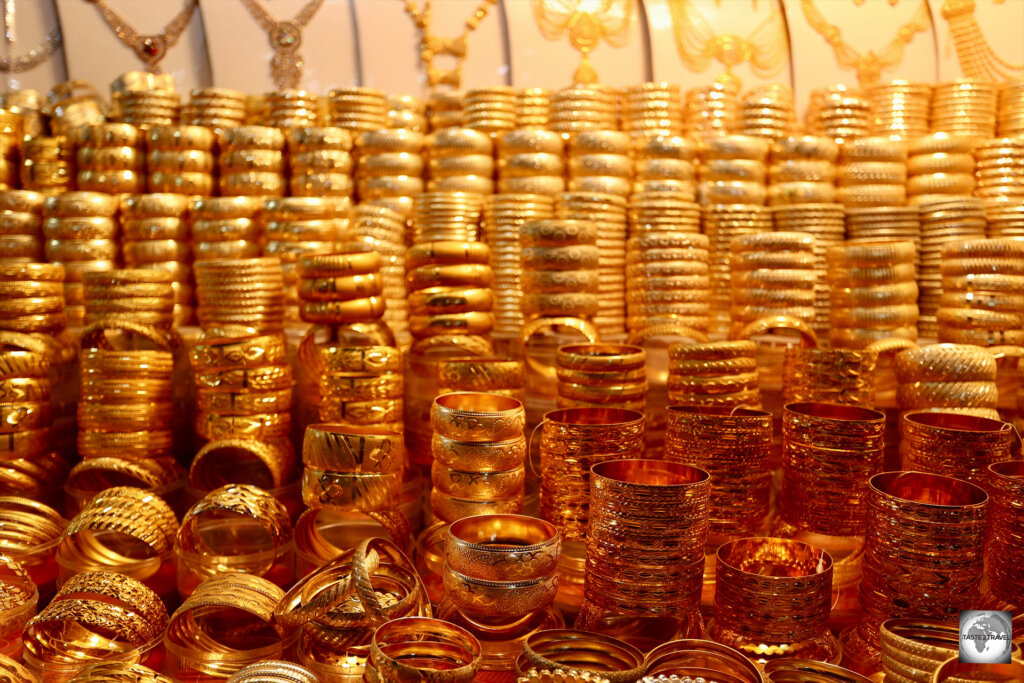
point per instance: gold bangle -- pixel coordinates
(339, 265)
(131, 511)
(84, 228)
(570, 650)
(107, 417)
(503, 547)
(114, 672)
(25, 444)
(473, 485)
(131, 445)
(418, 640)
(471, 323)
(24, 364)
(486, 374)
(479, 598)
(441, 300)
(460, 275)
(260, 426)
(808, 336)
(96, 474)
(238, 500)
(244, 403)
(229, 353)
(446, 253)
(214, 463)
(477, 417)
(341, 288)
(363, 491)
(342, 448)
(600, 357)
(259, 379)
(342, 312)
(72, 204)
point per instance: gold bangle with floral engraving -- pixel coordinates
(471, 323)
(266, 378)
(244, 403)
(353, 359)
(252, 426)
(364, 491)
(343, 448)
(478, 485)
(471, 416)
(248, 353)
(384, 413)
(347, 387)
(235, 500)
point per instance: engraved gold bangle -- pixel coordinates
(470, 416)
(419, 640)
(363, 491)
(342, 448)
(235, 500)
(503, 547)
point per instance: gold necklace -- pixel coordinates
(977, 59)
(431, 46)
(765, 48)
(610, 19)
(153, 48)
(286, 39)
(870, 65)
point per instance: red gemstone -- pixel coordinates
(151, 47)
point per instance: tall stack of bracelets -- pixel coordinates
(512, 385)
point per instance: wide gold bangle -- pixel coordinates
(414, 649)
(341, 312)
(440, 300)
(483, 486)
(342, 288)
(363, 491)
(477, 417)
(503, 547)
(342, 448)
(243, 403)
(478, 598)
(227, 352)
(266, 378)
(467, 456)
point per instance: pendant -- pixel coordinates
(286, 66)
(150, 49)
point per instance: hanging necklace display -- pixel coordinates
(765, 48)
(431, 46)
(286, 39)
(153, 48)
(869, 65)
(585, 25)
(977, 59)
(32, 58)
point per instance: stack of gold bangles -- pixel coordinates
(334, 611)
(226, 624)
(479, 455)
(95, 616)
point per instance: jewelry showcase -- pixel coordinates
(510, 384)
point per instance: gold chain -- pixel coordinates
(150, 49)
(431, 46)
(285, 38)
(870, 65)
(765, 48)
(977, 59)
(585, 27)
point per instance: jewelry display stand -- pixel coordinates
(32, 24)
(816, 65)
(541, 63)
(761, 26)
(393, 65)
(95, 54)
(241, 53)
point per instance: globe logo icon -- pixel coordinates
(985, 637)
